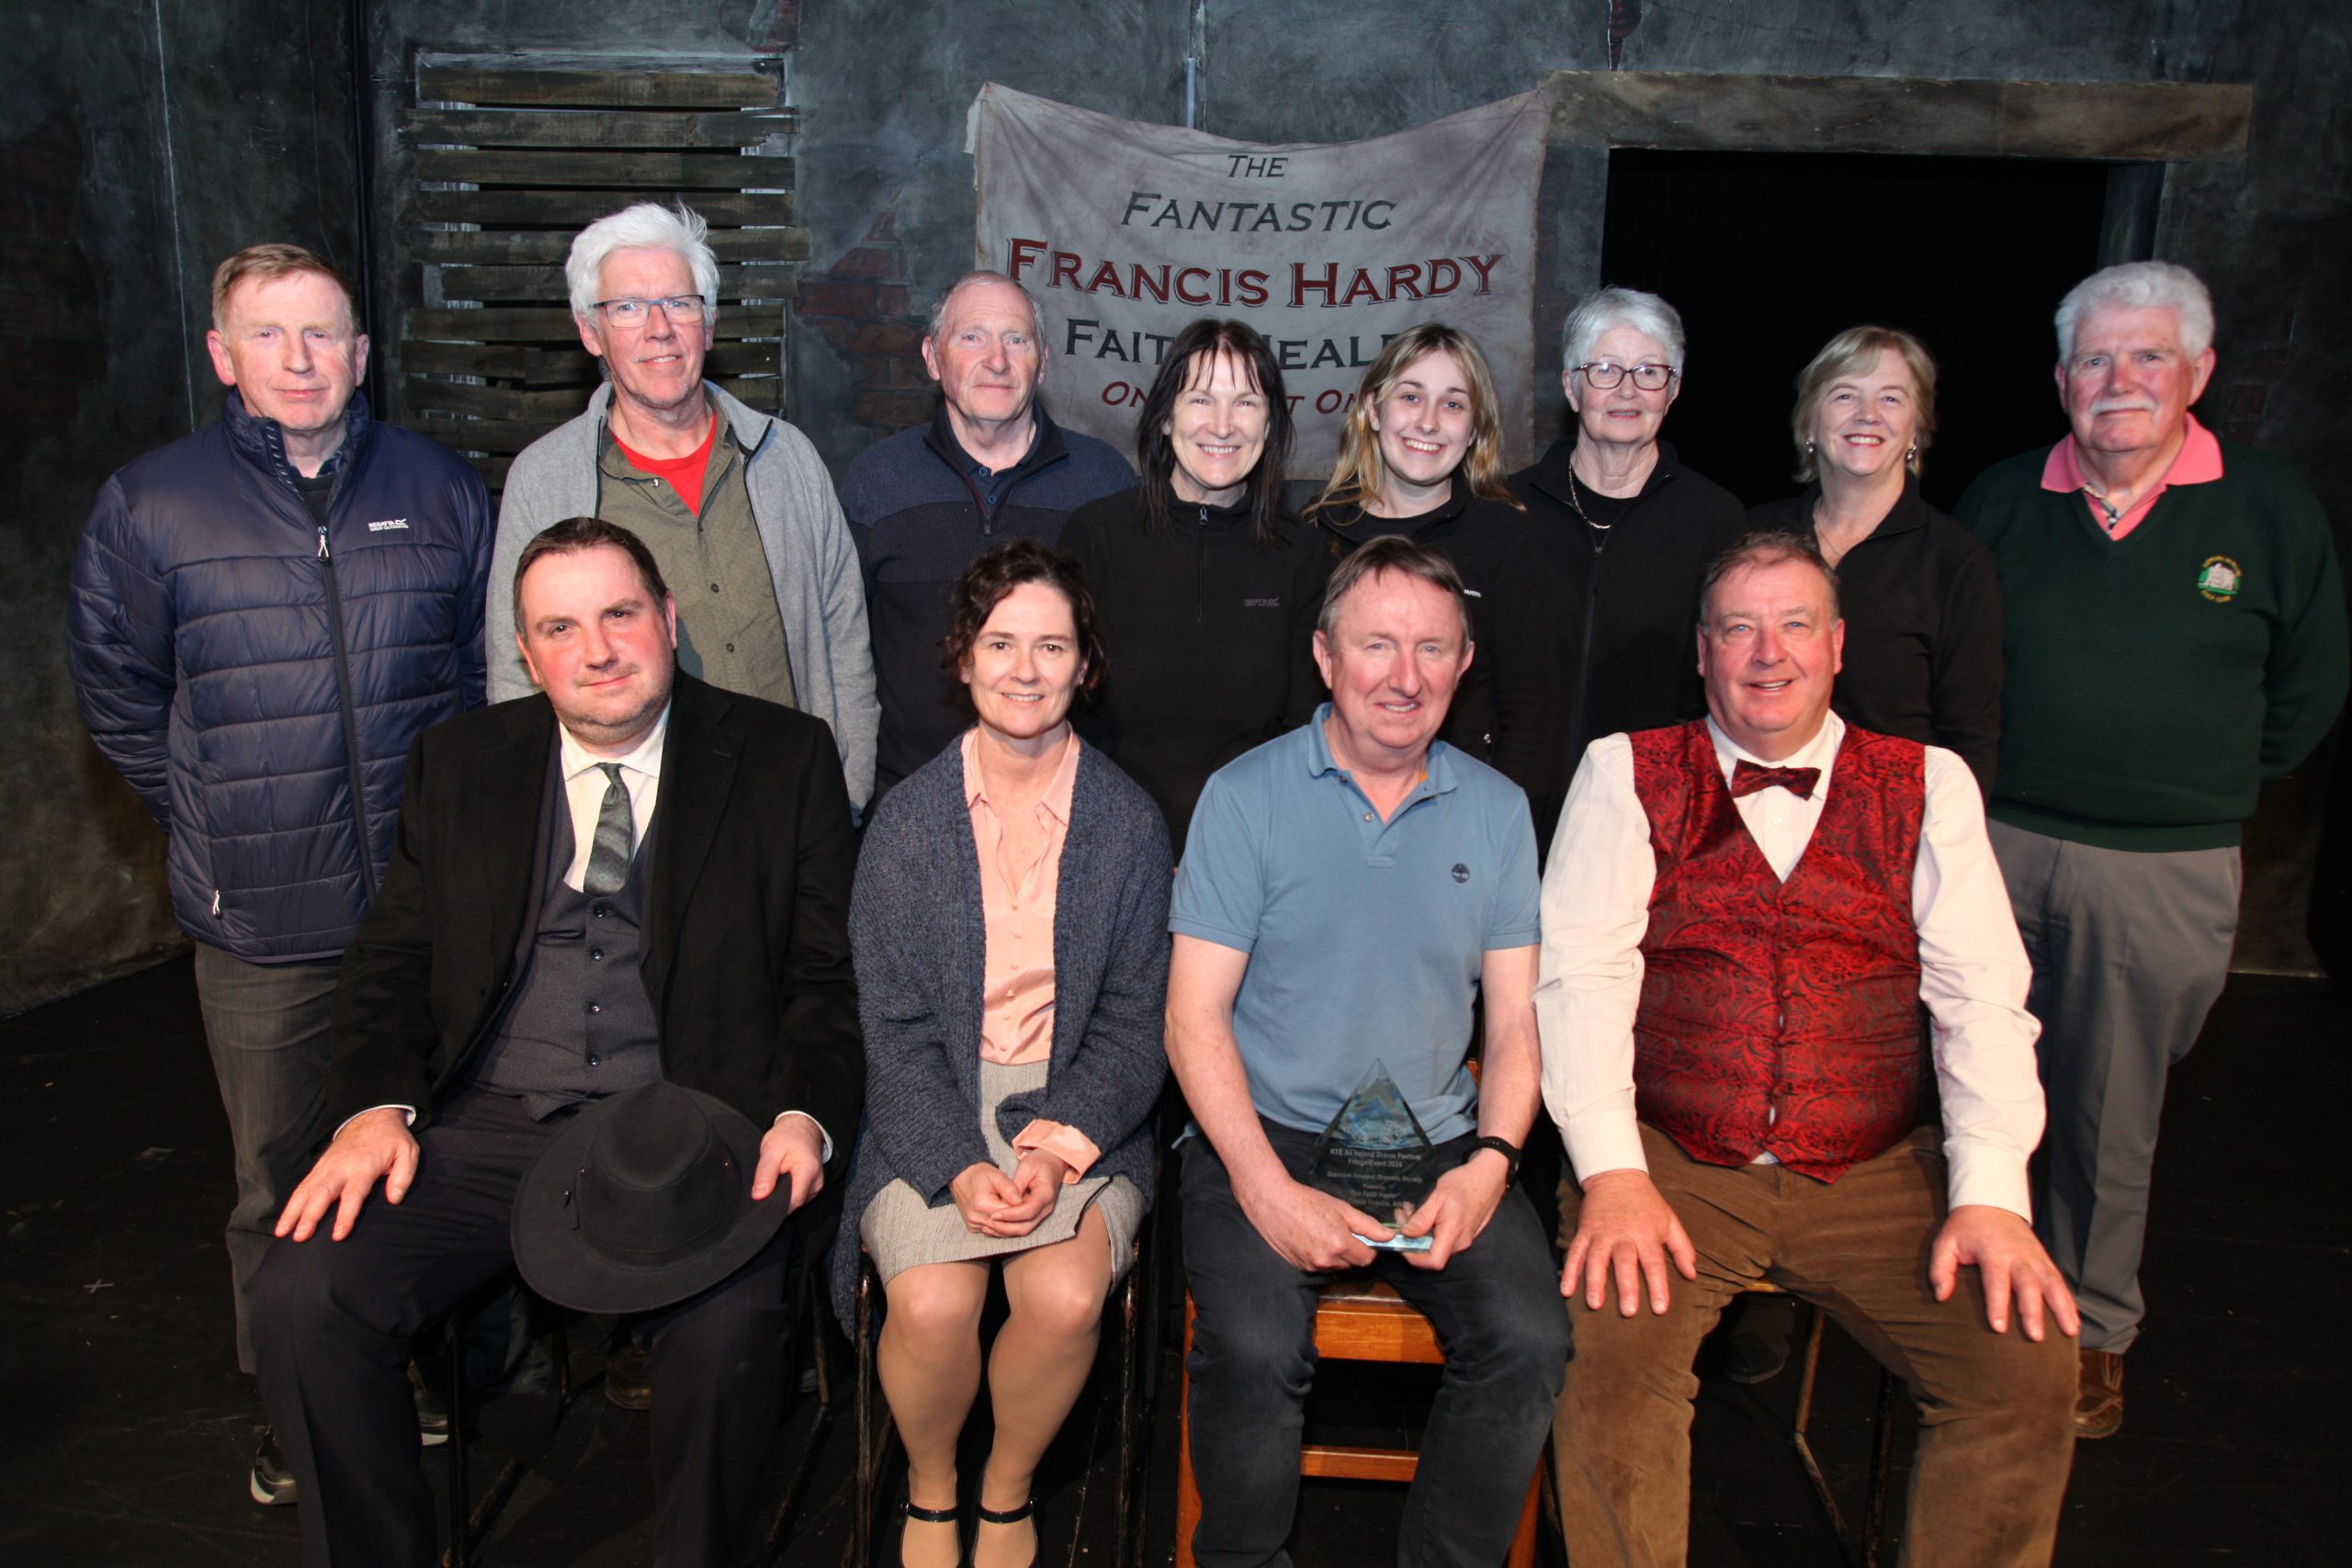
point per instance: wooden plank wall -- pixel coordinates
(511, 160)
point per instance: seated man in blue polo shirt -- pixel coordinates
(1347, 893)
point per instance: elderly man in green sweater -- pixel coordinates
(2175, 639)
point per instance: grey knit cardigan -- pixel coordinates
(919, 940)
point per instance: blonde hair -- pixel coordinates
(267, 264)
(1848, 354)
(1359, 475)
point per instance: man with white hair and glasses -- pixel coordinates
(734, 503)
(2175, 639)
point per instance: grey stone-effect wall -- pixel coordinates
(140, 140)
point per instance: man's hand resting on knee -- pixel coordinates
(2009, 1260)
(1626, 1230)
(375, 1145)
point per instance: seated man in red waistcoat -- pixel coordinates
(1775, 947)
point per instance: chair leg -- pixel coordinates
(1523, 1545)
(1188, 1491)
(862, 1530)
(1800, 1431)
(808, 1328)
(1882, 1463)
(1130, 1416)
(459, 1553)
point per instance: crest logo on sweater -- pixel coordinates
(2219, 579)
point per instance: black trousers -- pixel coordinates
(332, 1322)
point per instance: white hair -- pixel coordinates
(2140, 285)
(986, 275)
(1606, 308)
(647, 224)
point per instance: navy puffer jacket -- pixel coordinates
(240, 669)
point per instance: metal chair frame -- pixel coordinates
(875, 1428)
(1861, 1545)
(467, 1523)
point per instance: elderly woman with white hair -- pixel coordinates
(1622, 532)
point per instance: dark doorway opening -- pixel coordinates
(1767, 254)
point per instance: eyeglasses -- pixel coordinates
(635, 312)
(1604, 377)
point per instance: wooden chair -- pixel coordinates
(875, 1430)
(1357, 1319)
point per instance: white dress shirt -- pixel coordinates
(1972, 968)
(586, 781)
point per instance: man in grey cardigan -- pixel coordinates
(734, 503)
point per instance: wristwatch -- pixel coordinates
(1511, 1152)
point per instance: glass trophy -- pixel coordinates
(1375, 1156)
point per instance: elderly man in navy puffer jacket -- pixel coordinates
(264, 615)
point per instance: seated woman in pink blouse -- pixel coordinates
(1009, 932)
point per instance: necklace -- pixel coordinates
(1578, 503)
(2114, 516)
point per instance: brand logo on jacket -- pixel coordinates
(2219, 579)
(1461, 872)
(1273, 604)
(388, 525)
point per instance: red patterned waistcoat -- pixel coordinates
(1781, 1017)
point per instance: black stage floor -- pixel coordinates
(128, 1429)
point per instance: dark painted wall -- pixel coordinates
(140, 140)
(108, 241)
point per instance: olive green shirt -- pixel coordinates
(729, 631)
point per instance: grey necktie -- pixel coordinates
(608, 861)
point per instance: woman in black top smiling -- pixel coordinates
(1920, 595)
(1421, 455)
(1208, 593)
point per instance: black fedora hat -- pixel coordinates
(642, 1200)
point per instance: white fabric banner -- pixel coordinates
(1126, 232)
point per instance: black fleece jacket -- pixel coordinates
(1922, 604)
(1609, 630)
(1209, 637)
(1481, 537)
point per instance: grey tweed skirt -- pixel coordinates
(900, 1231)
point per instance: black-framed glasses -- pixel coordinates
(632, 312)
(1604, 377)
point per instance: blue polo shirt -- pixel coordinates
(1364, 937)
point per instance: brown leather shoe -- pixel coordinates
(2099, 1402)
(628, 1383)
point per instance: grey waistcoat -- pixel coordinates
(580, 1024)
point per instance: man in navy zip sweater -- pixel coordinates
(264, 615)
(920, 504)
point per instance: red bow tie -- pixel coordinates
(1746, 778)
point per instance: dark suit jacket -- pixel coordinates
(746, 944)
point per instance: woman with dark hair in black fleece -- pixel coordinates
(1209, 592)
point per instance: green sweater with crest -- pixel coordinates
(2156, 682)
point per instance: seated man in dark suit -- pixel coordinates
(629, 877)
